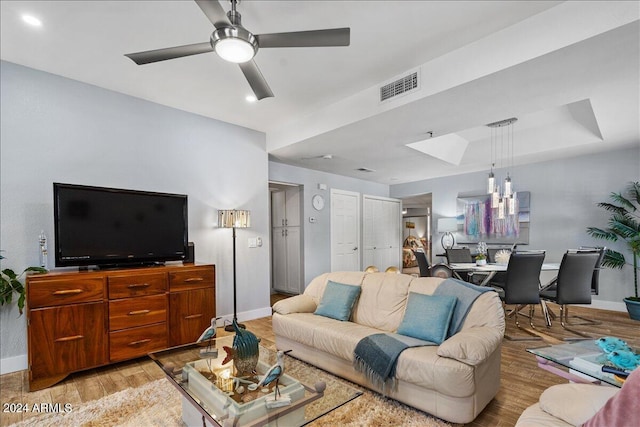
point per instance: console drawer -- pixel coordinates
(136, 342)
(61, 291)
(191, 278)
(133, 312)
(128, 285)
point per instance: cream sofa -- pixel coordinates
(453, 381)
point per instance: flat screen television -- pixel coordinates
(110, 227)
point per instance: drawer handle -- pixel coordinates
(71, 338)
(194, 279)
(138, 312)
(68, 292)
(139, 342)
(138, 285)
(193, 316)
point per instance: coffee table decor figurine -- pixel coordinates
(244, 352)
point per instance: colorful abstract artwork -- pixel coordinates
(478, 221)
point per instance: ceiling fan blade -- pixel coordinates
(256, 81)
(214, 12)
(157, 55)
(314, 38)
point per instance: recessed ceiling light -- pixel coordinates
(32, 20)
(251, 98)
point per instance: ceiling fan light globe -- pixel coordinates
(234, 50)
(234, 44)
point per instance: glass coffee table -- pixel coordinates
(212, 396)
(579, 361)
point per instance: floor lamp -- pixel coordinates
(232, 218)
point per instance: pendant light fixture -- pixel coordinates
(505, 201)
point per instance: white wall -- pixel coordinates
(317, 236)
(58, 130)
(564, 194)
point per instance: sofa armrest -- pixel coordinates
(296, 304)
(575, 403)
(471, 346)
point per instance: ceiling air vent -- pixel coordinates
(365, 170)
(400, 86)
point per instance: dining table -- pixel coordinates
(489, 270)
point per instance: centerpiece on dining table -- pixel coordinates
(481, 256)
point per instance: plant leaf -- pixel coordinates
(613, 259)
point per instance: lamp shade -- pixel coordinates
(446, 225)
(232, 218)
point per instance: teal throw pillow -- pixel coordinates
(427, 317)
(338, 300)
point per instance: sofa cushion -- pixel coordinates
(338, 300)
(423, 367)
(340, 338)
(427, 317)
(300, 327)
(382, 301)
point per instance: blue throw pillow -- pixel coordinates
(338, 300)
(427, 317)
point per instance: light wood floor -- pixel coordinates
(521, 380)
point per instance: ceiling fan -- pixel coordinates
(234, 43)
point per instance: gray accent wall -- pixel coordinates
(54, 129)
(564, 194)
(317, 235)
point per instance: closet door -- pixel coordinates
(381, 232)
(286, 240)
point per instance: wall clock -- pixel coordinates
(318, 202)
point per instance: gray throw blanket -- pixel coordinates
(376, 356)
(466, 293)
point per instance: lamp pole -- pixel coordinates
(229, 328)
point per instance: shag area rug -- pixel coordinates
(158, 404)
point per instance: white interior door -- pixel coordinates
(345, 231)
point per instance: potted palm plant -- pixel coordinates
(623, 225)
(10, 284)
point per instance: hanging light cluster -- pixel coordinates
(502, 135)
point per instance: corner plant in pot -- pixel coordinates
(10, 283)
(623, 225)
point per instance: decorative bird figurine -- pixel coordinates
(609, 344)
(275, 372)
(210, 332)
(207, 336)
(244, 351)
(624, 359)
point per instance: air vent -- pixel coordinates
(365, 170)
(400, 86)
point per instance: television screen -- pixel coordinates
(108, 226)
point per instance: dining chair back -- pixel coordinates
(522, 288)
(575, 277)
(458, 255)
(423, 263)
(595, 279)
(522, 281)
(573, 285)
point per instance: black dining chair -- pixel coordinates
(458, 255)
(423, 263)
(573, 284)
(522, 288)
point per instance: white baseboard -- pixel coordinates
(246, 315)
(608, 305)
(13, 364)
